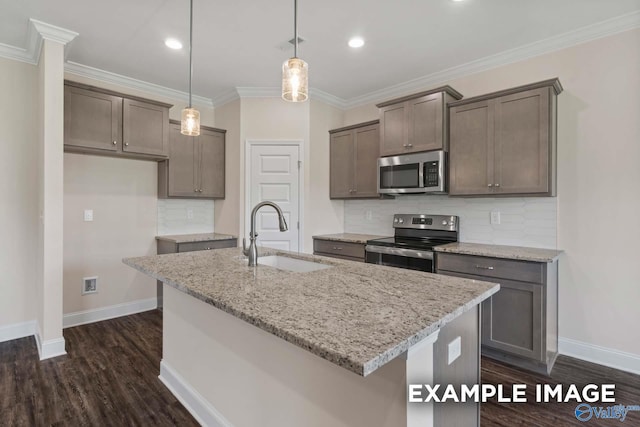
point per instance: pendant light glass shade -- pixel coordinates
(295, 80)
(190, 122)
(190, 125)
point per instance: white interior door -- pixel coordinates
(275, 176)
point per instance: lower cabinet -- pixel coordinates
(342, 250)
(520, 321)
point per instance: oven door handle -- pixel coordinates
(411, 253)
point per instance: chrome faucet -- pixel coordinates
(252, 251)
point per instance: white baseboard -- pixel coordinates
(105, 313)
(601, 355)
(17, 330)
(198, 407)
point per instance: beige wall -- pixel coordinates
(19, 187)
(123, 196)
(598, 179)
(324, 216)
(227, 211)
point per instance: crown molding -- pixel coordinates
(599, 30)
(225, 97)
(328, 98)
(51, 32)
(120, 80)
(37, 32)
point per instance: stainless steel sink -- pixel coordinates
(291, 264)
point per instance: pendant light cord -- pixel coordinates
(190, 49)
(295, 28)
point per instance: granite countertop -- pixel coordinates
(358, 316)
(500, 251)
(200, 237)
(348, 237)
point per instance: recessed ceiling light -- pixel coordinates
(356, 42)
(173, 43)
(457, 0)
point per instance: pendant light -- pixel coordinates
(295, 72)
(190, 116)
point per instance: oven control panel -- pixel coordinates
(426, 222)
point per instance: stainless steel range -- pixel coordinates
(414, 238)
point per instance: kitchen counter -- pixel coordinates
(191, 238)
(348, 237)
(500, 251)
(357, 316)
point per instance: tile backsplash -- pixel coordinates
(525, 221)
(174, 216)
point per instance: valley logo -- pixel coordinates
(584, 412)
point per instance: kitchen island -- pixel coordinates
(337, 346)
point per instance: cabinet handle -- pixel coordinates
(481, 267)
(489, 185)
(195, 190)
(337, 248)
(126, 144)
(208, 249)
(409, 145)
(497, 185)
(115, 142)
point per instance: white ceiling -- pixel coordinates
(236, 43)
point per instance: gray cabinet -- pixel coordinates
(196, 165)
(415, 123)
(504, 143)
(520, 321)
(354, 161)
(102, 122)
(344, 250)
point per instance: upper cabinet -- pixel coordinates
(415, 123)
(103, 122)
(504, 143)
(354, 161)
(196, 165)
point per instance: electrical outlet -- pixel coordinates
(189, 213)
(495, 217)
(368, 215)
(89, 285)
(88, 215)
(455, 350)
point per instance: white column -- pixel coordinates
(50, 120)
(420, 370)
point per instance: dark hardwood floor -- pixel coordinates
(110, 378)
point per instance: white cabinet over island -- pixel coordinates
(249, 346)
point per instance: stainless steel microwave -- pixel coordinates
(413, 173)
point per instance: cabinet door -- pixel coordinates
(393, 129)
(92, 119)
(471, 149)
(341, 159)
(182, 159)
(211, 145)
(366, 148)
(512, 318)
(145, 128)
(425, 122)
(522, 144)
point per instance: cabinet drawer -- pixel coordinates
(343, 249)
(207, 245)
(522, 271)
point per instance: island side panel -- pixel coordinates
(253, 378)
